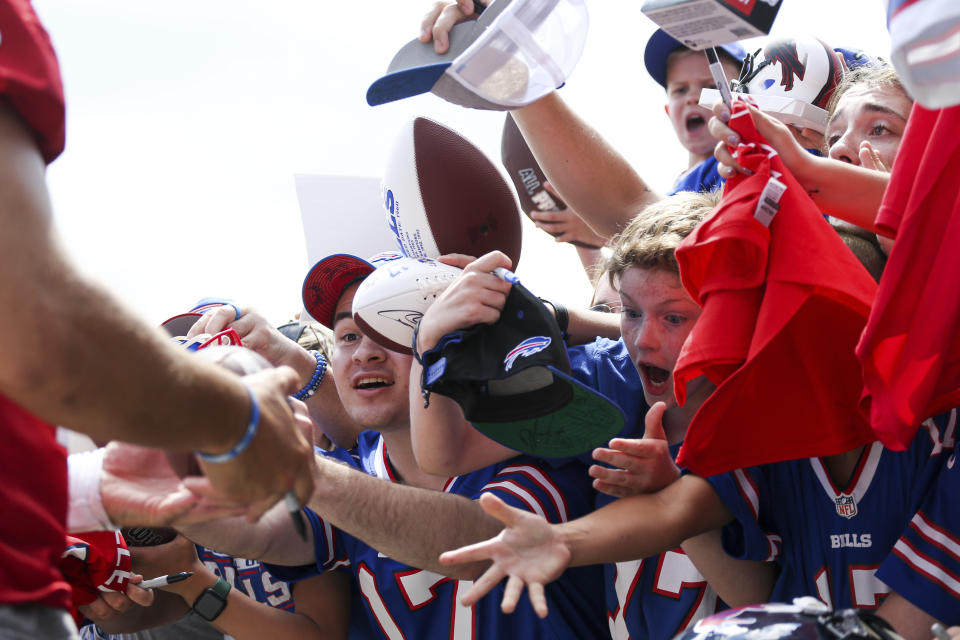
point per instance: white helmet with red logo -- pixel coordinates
(804, 68)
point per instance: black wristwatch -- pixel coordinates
(212, 601)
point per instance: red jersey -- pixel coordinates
(910, 350)
(784, 302)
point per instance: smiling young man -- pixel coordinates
(377, 513)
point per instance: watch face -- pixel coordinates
(209, 605)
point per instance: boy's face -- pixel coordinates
(688, 73)
(872, 114)
(657, 316)
(372, 381)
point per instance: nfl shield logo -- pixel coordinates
(846, 506)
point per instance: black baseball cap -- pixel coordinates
(513, 381)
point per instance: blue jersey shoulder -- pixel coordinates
(701, 177)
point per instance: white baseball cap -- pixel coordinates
(515, 53)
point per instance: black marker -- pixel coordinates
(719, 77)
(163, 581)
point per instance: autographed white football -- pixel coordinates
(389, 303)
(443, 195)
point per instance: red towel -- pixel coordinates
(783, 308)
(910, 350)
(92, 562)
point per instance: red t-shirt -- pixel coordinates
(33, 467)
(783, 308)
(33, 500)
(910, 350)
(30, 75)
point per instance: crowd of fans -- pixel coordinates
(312, 490)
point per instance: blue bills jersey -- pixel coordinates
(250, 577)
(829, 540)
(657, 597)
(924, 567)
(660, 596)
(247, 576)
(401, 601)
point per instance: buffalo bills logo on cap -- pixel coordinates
(525, 349)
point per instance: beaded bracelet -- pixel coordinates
(311, 387)
(245, 441)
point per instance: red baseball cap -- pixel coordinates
(327, 280)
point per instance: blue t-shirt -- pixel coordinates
(405, 602)
(829, 541)
(660, 596)
(700, 177)
(924, 567)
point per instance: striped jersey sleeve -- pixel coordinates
(924, 566)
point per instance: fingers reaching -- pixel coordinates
(653, 422)
(482, 585)
(538, 598)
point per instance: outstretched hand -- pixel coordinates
(529, 550)
(139, 487)
(643, 466)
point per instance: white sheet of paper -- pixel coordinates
(342, 214)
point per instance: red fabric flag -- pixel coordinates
(910, 350)
(784, 302)
(92, 562)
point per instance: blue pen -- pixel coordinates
(506, 275)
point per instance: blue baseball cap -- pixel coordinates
(661, 45)
(858, 58)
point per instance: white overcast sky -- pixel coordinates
(186, 121)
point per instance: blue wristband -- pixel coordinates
(311, 387)
(245, 441)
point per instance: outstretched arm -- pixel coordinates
(273, 539)
(532, 552)
(409, 524)
(589, 174)
(73, 355)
